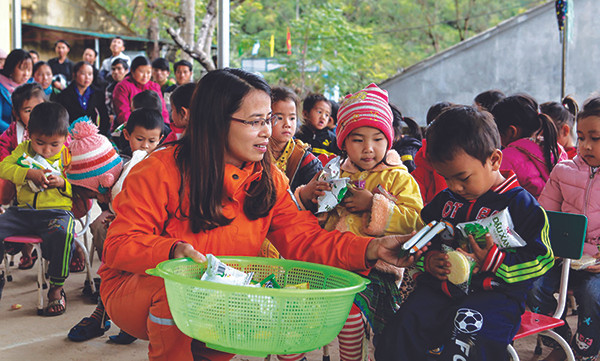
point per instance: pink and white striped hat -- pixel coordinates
(366, 108)
(94, 163)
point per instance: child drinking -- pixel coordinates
(563, 115)
(43, 205)
(529, 140)
(572, 188)
(180, 110)
(316, 110)
(383, 199)
(463, 146)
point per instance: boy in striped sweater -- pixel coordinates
(43, 199)
(463, 145)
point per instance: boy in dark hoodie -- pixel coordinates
(316, 110)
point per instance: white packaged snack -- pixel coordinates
(500, 226)
(584, 262)
(219, 272)
(339, 186)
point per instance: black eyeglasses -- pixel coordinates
(270, 121)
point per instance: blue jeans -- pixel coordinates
(586, 289)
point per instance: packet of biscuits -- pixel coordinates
(499, 225)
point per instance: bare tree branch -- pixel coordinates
(203, 58)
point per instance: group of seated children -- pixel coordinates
(498, 155)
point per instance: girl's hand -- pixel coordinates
(595, 268)
(56, 182)
(38, 177)
(184, 249)
(358, 200)
(388, 249)
(479, 254)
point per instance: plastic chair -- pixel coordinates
(567, 234)
(37, 241)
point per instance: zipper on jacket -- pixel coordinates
(35, 200)
(588, 187)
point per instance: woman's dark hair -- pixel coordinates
(79, 65)
(181, 97)
(435, 110)
(489, 98)
(414, 130)
(146, 118)
(521, 111)
(561, 113)
(465, 128)
(38, 65)
(200, 153)
(147, 99)
(25, 92)
(13, 60)
(591, 108)
(137, 62)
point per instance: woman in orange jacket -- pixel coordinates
(214, 191)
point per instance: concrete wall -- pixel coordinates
(522, 54)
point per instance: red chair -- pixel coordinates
(84, 220)
(567, 234)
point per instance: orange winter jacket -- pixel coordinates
(147, 224)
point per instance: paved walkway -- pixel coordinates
(26, 336)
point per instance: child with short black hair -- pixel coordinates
(180, 110)
(464, 147)
(144, 129)
(407, 145)
(43, 205)
(316, 110)
(487, 99)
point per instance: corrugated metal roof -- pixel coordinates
(87, 32)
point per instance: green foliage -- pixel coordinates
(349, 43)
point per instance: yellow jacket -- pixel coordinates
(397, 212)
(51, 198)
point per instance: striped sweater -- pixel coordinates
(508, 270)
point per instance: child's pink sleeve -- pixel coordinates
(8, 141)
(121, 103)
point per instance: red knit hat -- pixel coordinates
(366, 108)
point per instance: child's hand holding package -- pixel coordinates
(358, 199)
(331, 174)
(55, 181)
(436, 263)
(38, 177)
(479, 251)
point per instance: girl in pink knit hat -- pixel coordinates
(383, 199)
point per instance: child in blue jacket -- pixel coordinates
(463, 145)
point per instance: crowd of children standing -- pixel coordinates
(502, 152)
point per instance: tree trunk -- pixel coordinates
(186, 11)
(154, 48)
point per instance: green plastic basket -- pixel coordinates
(260, 321)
